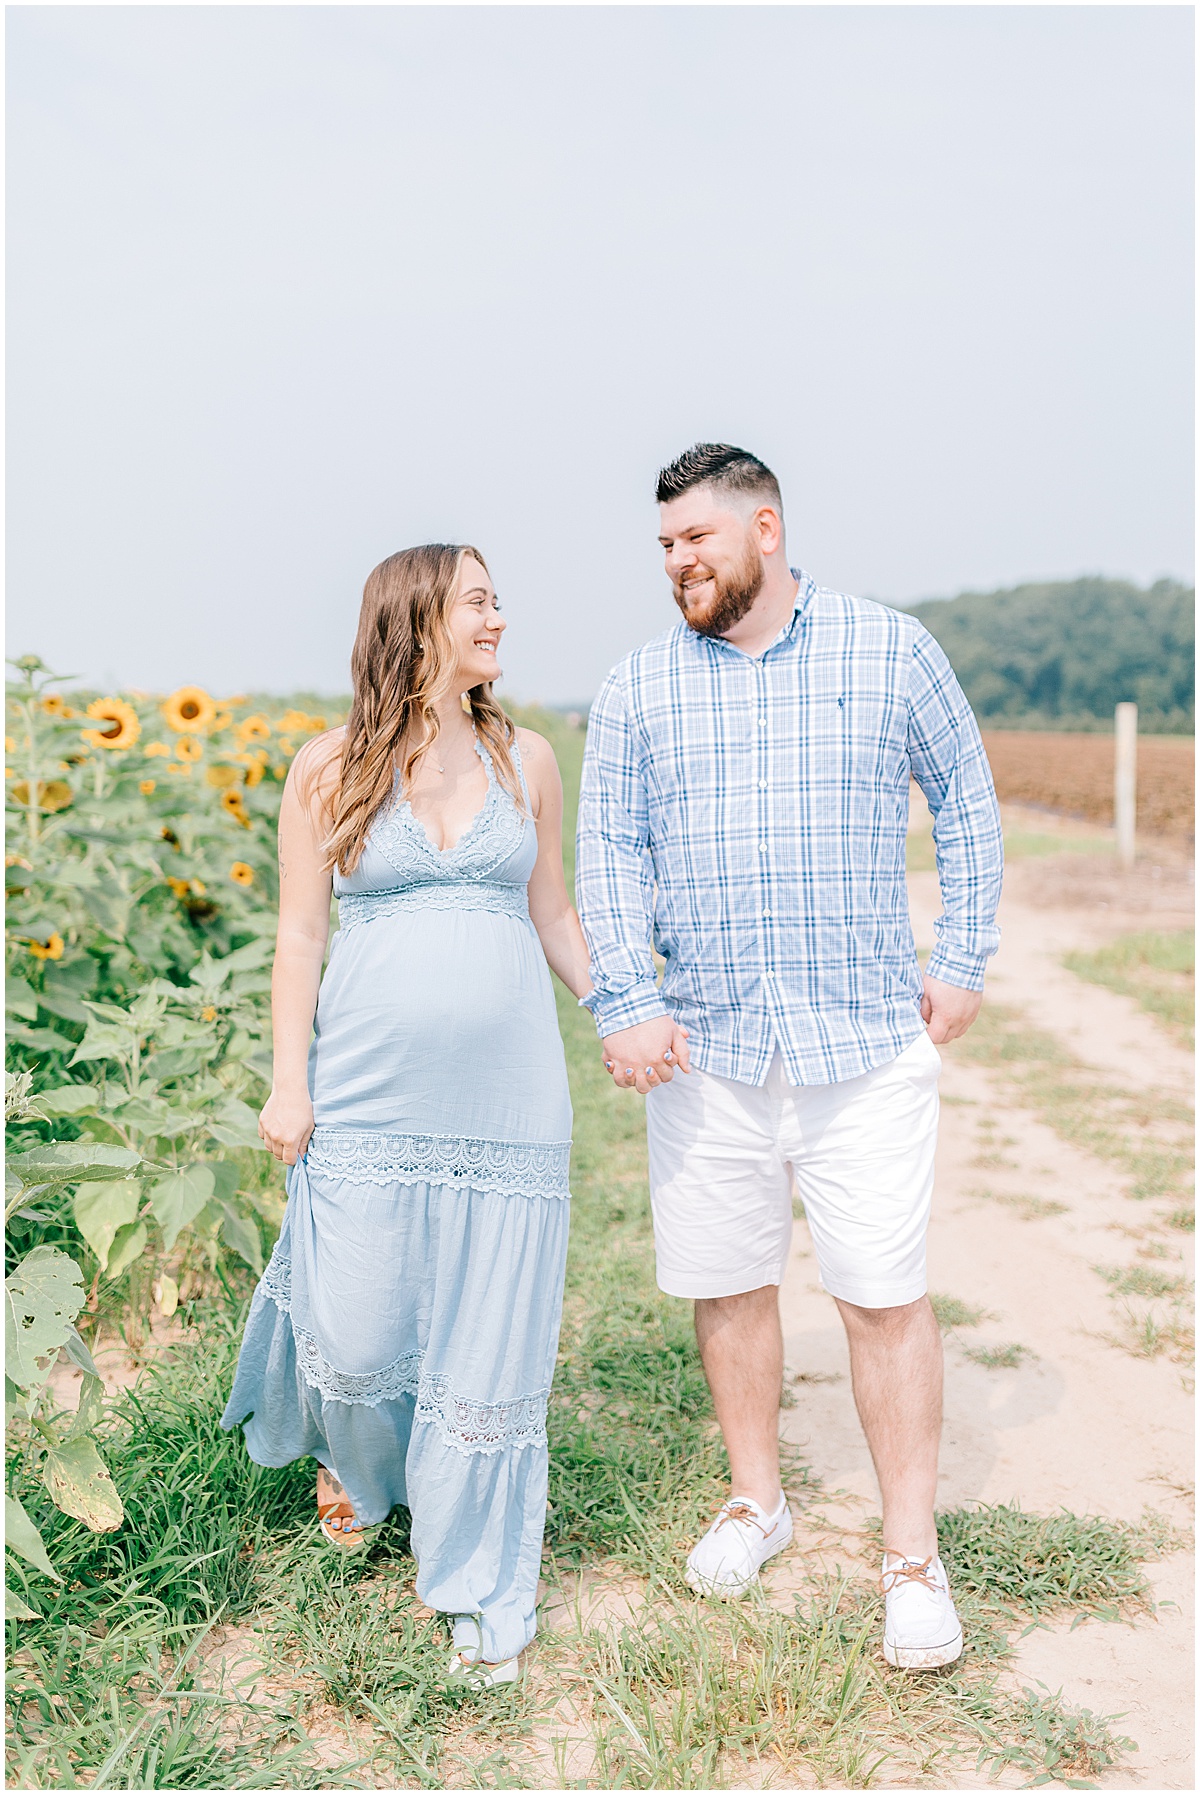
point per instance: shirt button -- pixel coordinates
(762, 847)
(762, 722)
(770, 972)
(767, 914)
(762, 785)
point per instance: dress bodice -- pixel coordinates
(488, 868)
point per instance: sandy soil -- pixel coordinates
(1082, 1424)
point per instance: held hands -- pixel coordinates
(947, 1010)
(650, 1054)
(285, 1124)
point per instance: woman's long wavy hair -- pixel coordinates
(402, 665)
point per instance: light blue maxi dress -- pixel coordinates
(405, 1330)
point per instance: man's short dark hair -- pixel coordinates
(723, 466)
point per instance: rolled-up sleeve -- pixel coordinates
(614, 878)
(950, 766)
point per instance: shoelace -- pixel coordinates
(740, 1511)
(909, 1572)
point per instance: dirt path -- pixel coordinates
(1080, 1423)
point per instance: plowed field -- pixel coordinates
(1074, 774)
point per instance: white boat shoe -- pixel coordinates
(726, 1561)
(922, 1630)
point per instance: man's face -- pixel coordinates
(712, 557)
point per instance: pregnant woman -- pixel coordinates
(404, 1332)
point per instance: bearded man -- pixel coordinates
(744, 811)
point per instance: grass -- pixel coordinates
(1156, 969)
(1147, 1135)
(1030, 1209)
(952, 1312)
(127, 1679)
(998, 1358)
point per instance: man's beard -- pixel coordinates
(732, 596)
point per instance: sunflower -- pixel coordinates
(178, 886)
(231, 801)
(55, 705)
(189, 747)
(52, 794)
(279, 773)
(146, 786)
(253, 772)
(241, 874)
(190, 708)
(46, 950)
(208, 1013)
(162, 748)
(253, 729)
(185, 771)
(222, 775)
(222, 720)
(123, 727)
(287, 746)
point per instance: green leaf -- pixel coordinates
(22, 1537)
(15, 1606)
(78, 1481)
(179, 1199)
(180, 1062)
(236, 1125)
(101, 1209)
(241, 1234)
(44, 1294)
(69, 1100)
(125, 1248)
(75, 1347)
(20, 998)
(72, 1162)
(45, 1040)
(69, 1008)
(225, 1179)
(91, 1407)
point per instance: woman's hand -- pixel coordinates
(285, 1124)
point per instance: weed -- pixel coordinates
(1140, 1280)
(1183, 1218)
(952, 1312)
(1157, 970)
(1058, 1742)
(1146, 1134)
(1152, 1334)
(1028, 1208)
(1040, 1563)
(998, 1358)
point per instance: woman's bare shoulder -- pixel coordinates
(314, 770)
(535, 749)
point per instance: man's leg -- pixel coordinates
(741, 1344)
(896, 1365)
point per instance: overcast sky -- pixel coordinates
(293, 287)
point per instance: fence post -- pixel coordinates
(1125, 782)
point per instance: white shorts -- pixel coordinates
(725, 1158)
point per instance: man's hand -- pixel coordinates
(650, 1054)
(948, 1011)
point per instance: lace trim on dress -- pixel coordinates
(503, 1168)
(357, 907)
(495, 833)
(482, 1426)
(463, 1423)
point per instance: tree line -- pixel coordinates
(1062, 654)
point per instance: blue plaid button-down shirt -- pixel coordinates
(747, 817)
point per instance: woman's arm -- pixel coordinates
(550, 908)
(286, 1121)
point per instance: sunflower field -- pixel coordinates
(141, 882)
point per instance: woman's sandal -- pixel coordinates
(339, 1525)
(467, 1670)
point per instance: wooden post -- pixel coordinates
(1125, 783)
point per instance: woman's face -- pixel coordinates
(476, 627)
